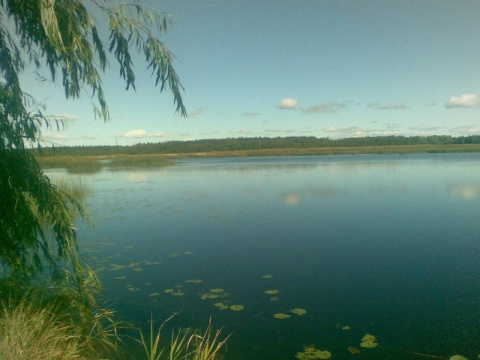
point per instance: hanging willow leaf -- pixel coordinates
(63, 37)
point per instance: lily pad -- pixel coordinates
(168, 291)
(369, 337)
(312, 353)
(116, 267)
(346, 327)
(121, 277)
(237, 307)
(368, 344)
(217, 290)
(267, 276)
(299, 311)
(195, 281)
(353, 350)
(221, 306)
(271, 292)
(154, 294)
(281, 316)
(177, 293)
(323, 354)
(368, 341)
(208, 296)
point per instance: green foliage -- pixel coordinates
(38, 325)
(139, 162)
(36, 224)
(260, 145)
(185, 345)
(29, 332)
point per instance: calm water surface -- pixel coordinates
(385, 244)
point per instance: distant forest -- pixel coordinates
(257, 143)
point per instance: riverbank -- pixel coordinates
(87, 163)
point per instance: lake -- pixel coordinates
(387, 245)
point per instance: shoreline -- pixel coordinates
(389, 149)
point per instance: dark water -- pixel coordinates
(385, 244)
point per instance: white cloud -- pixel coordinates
(288, 103)
(65, 117)
(56, 136)
(330, 107)
(393, 106)
(330, 129)
(286, 131)
(464, 101)
(465, 130)
(196, 112)
(244, 132)
(134, 134)
(140, 133)
(353, 131)
(427, 129)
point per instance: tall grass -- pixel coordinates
(73, 165)
(92, 165)
(29, 332)
(185, 345)
(141, 161)
(47, 323)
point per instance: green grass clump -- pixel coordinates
(185, 345)
(35, 333)
(73, 165)
(146, 161)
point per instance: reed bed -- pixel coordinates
(140, 161)
(73, 165)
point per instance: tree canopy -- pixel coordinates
(74, 41)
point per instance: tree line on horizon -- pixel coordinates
(255, 143)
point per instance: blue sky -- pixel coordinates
(296, 68)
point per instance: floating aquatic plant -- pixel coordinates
(154, 294)
(116, 267)
(195, 281)
(299, 311)
(267, 276)
(221, 306)
(237, 307)
(346, 327)
(168, 291)
(213, 294)
(271, 292)
(312, 353)
(368, 342)
(208, 296)
(369, 337)
(281, 316)
(217, 290)
(353, 350)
